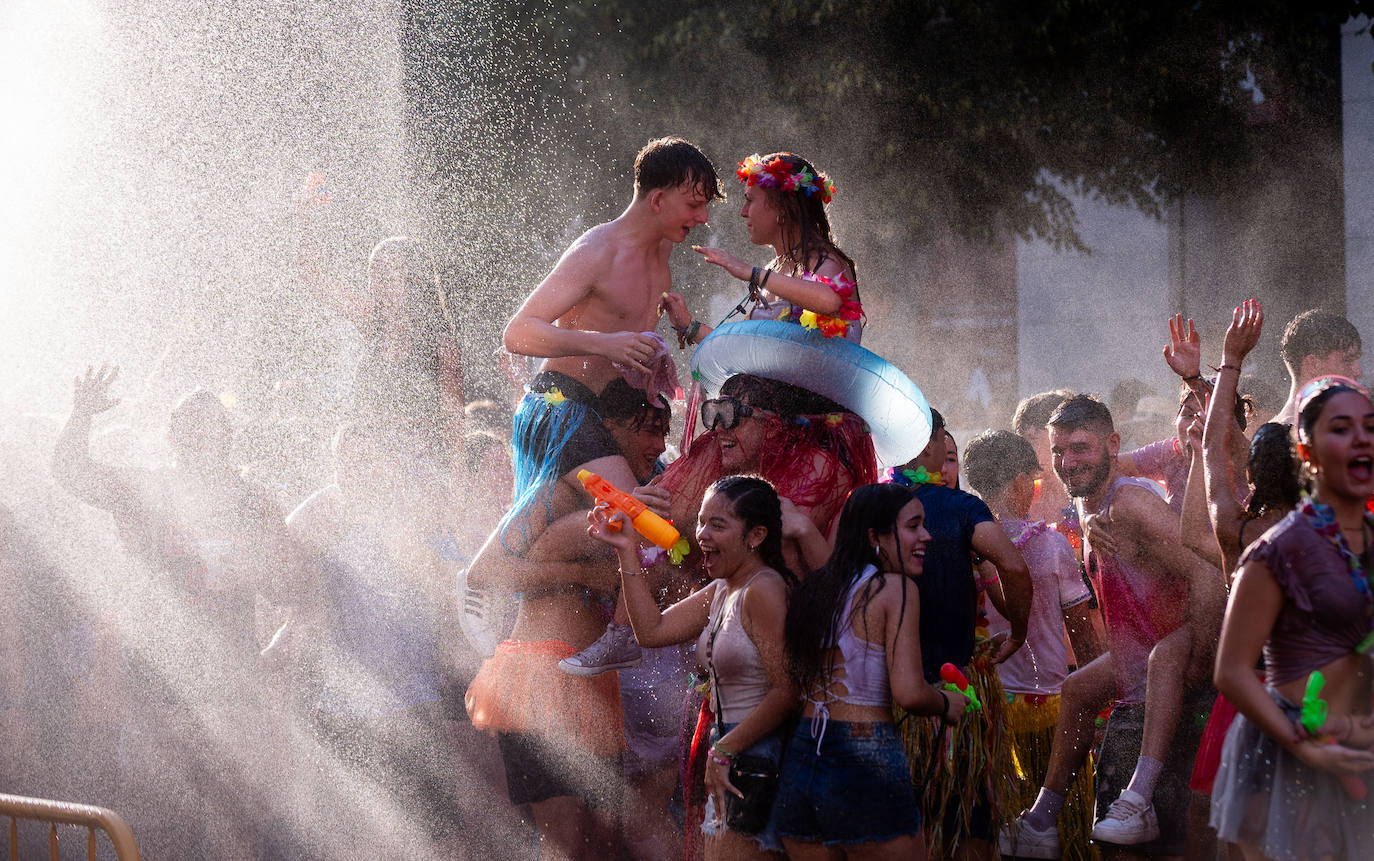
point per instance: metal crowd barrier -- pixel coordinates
(55, 813)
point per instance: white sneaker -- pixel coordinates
(617, 649)
(1020, 839)
(1130, 820)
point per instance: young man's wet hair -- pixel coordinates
(671, 162)
(1316, 333)
(1083, 412)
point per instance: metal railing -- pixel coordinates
(55, 813)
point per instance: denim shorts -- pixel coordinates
(857, 789)
(770, 746)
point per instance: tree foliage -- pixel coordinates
(981, 113)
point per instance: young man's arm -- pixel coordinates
(533, 330)
(991, 542)
(1152, 527)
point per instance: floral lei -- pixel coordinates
(1321, 518)
(778, 174)
(1031, 530)
(850, 309)
(911, 477)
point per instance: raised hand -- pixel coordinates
(622, 536)
(1184, 351)
(725, 260)
(1244, 332)
(92, 392)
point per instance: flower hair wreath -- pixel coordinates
(778, 174)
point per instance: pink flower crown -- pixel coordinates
(778, 174)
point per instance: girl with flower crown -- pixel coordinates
(1296, 769)
(810, 281)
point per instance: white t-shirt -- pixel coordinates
(1039, 667)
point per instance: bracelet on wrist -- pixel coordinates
(1228, 367)
(720, 749)
(944, 713)
(764, 282)
(1193, 377)
(718, 758)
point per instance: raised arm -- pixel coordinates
(1194, 522)
(811, 295)
(1218, 435)
(85, 478)
(534, 331)
(1183, 355)
(679, 623)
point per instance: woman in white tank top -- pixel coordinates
(737, 622)
(846, 788)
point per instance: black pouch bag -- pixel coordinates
(757, 777)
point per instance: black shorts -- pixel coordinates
(537, 770)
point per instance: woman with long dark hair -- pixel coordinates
(1302, 598)
(846, 785)
(737, 621)
(810, 280)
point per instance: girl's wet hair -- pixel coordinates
(1273, 467)
(816, 610)
(814, 241)
(1243, 410)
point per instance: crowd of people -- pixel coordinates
(1032, 642)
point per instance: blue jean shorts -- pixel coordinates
(857, 789)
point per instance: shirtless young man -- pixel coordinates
(561, 735)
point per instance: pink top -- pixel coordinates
(1140, 609)
(1324, 616)
(860, 678)
(1039, 667)
(771, 307)
(1167, 462)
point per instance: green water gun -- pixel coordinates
(1313, 718)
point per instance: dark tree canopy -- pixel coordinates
(982, 112)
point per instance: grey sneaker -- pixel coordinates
(1020, 839)
(1130, 820)
(617, 649)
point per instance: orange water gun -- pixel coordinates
(646, 523)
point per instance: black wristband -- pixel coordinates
(944, 696)
(764, 282)
(754, 284)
